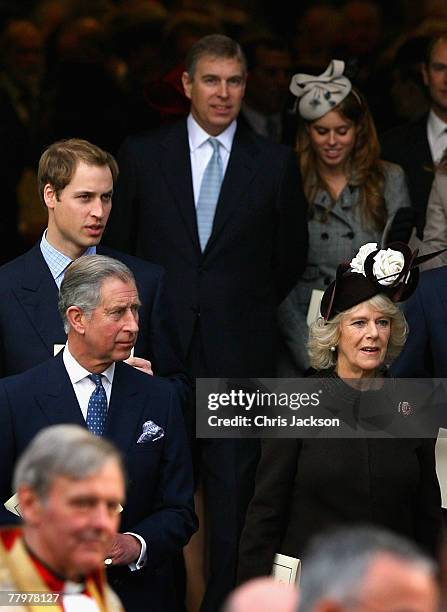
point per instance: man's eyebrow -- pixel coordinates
(92, 192)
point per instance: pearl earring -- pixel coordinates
(333, 349)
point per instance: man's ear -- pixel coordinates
(187, 84)
(49, 196)
(76, 318)
(30, 505)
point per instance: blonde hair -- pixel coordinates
(364, 170)
(325, 334)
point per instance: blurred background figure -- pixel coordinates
(408, 92)
(83, 96)
(263, 595)
(366, 568)
(418, 145)
(361, 35)
(315, 37)
(22, 66)
(136, 33)
(269, 70)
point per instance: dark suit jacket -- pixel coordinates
(407, 145)
(425, 352)
(159, 504)
(256, 251)
(30, 323)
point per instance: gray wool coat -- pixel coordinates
(330, 242)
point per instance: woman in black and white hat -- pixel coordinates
(307, 485)
(352, 194)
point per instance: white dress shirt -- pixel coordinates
(437, 136)
(201, 150)
(83, 388)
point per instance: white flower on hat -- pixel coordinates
(388, 263)
(358, 263)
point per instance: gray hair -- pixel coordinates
(216, 46)
(83, 281)
(337, 562)
(62, 450)
(325, 334)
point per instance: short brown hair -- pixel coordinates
(59, 161)
(216, 46)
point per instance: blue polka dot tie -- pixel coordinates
(97, 407)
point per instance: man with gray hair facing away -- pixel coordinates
(70, 486)
(366, 568)
(88, 384)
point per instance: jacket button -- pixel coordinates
(325, 236)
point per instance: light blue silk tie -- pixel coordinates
(97, 407)
(209, 194)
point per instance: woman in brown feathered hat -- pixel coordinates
(307, 485)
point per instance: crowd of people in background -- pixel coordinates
(71, 68)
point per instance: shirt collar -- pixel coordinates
(76, 372)
(435, 125)
(197, 135)
(55, 260)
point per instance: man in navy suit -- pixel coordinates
(425, 352)
(225, 276)
(75, 185)
(141, 414)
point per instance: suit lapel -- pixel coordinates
(126, 406)
(422, 147)
(38, 296)
(239, 174)
(58, 401)
(176, 166)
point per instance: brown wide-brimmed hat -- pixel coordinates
(392, 271)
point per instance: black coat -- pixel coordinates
(304, 486)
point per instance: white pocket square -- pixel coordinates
(151, 432)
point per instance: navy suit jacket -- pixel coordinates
(256, 251)
(159, 501)
(30, 323)
(425, 352)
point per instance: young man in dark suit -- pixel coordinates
(76, 185)
(419, 145)
(222, 209)
(88, 384)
